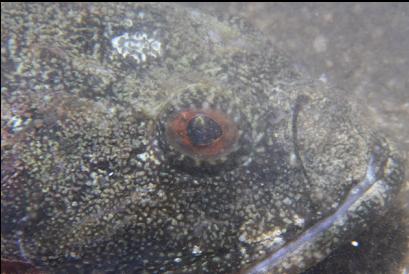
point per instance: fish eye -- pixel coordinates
(196, 132)
(202, 134)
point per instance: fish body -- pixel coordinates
(153, 138)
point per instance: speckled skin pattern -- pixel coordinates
(92, 181)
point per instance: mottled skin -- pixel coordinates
(91, 180)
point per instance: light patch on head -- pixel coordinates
(140, 46)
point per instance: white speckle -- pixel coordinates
(19, 68)
(139, 46)
(278, 241)
(287, 201)
(299, 221)
(128, 22)
(259, 137)
(196, 251)
(11, 43)
(74, 255)
(161, 193)
(242, 237)
(143, 156)
(156, 45)
(155, 160)
(355, 243)
(247, 162)
(323, 78)
(141, 14)
(16, 121)
(178, 260)
(320, 44)
(370, 173)
(293, 159)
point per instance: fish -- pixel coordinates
(154, 138)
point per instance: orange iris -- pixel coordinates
(220, 133)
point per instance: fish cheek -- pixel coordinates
(333, 154)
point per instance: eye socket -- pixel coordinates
(202, 134)
(202, 129)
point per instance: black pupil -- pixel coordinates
(203, 131)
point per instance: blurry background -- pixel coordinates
(363, 49)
